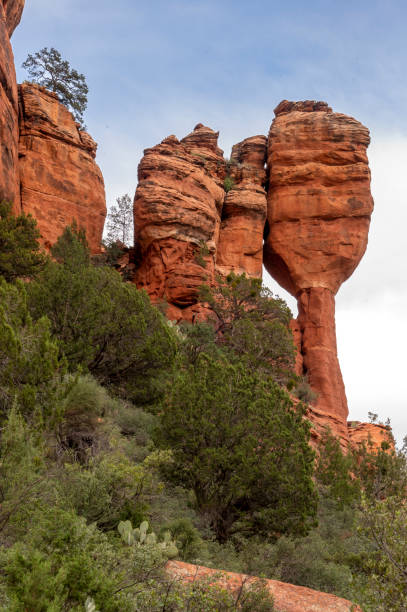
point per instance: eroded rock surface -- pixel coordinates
(244, 211)
(287, 597)
(319, 207)
(10, 12)
(373, 435)
(60, 180)
(177, 213)
(13, 10)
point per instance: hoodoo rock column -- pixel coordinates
(319, 207)
(177, 213)
(240, 248)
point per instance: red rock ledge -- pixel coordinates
(287, 597)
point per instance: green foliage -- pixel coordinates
(240, 446)
(385, 524)
(30, 368)
(228, 183)
(334, 471)
(106, 326)
(201, 253)
(252, 324)
(47, 68)
(20, 254)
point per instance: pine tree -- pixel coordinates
(47, 68)
(120, 221)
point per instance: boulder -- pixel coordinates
(287, 597)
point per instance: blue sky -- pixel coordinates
(159, 67)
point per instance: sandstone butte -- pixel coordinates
(287, 597)
(10, 15)
(59, 178)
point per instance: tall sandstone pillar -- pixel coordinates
(177, 214)
(319, 207)
(10, 15)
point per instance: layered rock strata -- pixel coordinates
(240, 247)
(59, 179)
(373, 435)
(10, 14)
(177, 214)
(287, 597)
(319, 207)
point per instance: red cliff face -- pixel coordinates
(374, 435)
(13, 10)
(10, 14)
(319, 207)
(240, 247)
(60, 180)
(177, 212)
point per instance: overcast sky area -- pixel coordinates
(159, 67)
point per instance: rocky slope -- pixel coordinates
(287, 597)
(319, 207)
(10, 14)
(59, 178)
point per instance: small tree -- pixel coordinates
(47, 68)
(120, 221)
(20, 254)
(238, 443)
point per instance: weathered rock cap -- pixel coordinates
(203, 137)
(251, 151)
(304, 106)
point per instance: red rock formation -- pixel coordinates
(13, 10)
(177, 217)
(287, 597)
(10, 13)
(371, 434)
(319, 207)
(240, 247)
(60, 180)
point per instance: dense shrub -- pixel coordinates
(240, 446)
(20, 254)
(104, 325)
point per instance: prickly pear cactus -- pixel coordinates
(90, 605)
(139, 537)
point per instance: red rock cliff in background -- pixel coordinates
(59, 178)
(319, 207)
(10, 15)
(47, 165)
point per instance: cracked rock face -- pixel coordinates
(60, 180)
(10, 13)
(240, 247)
(177, 213)
(319, 207)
